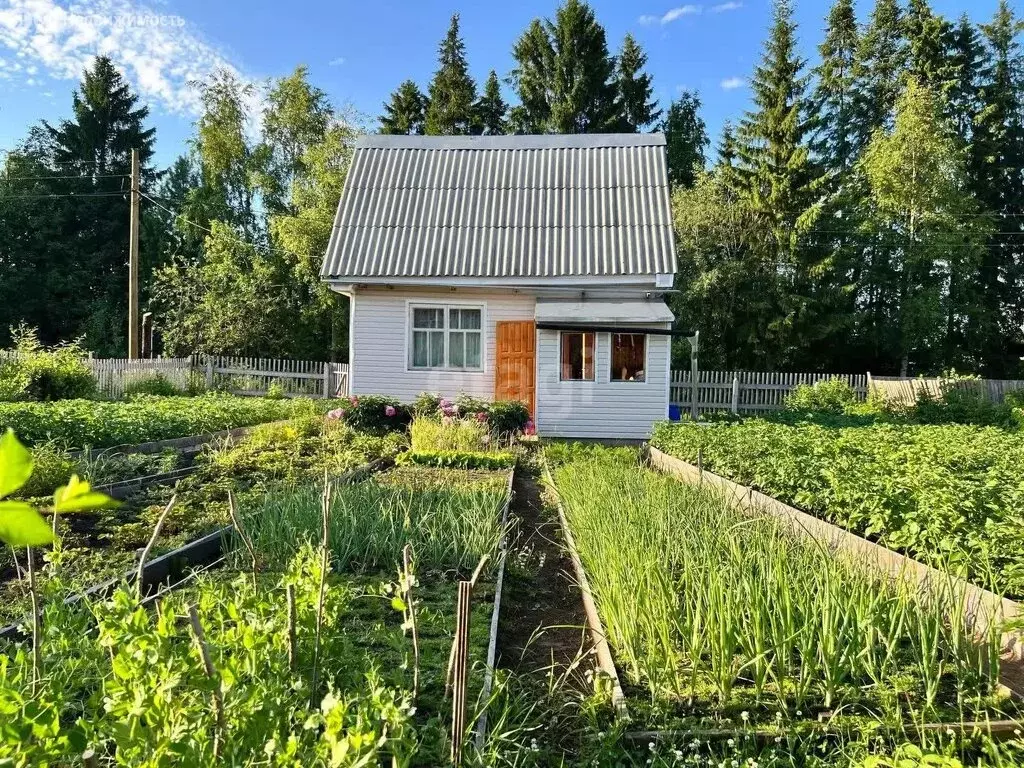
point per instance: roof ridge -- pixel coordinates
(513, 142)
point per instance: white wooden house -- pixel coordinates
(528, 267)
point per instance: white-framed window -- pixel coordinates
(446, 336)
(628, 356)
(577, 356)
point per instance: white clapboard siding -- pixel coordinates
(749, 391)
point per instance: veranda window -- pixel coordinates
(577, 355)
(447, 337)
(629, 356)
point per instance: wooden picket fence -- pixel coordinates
(898, 390)
(748, 391)
(255, 376)
(238, 375)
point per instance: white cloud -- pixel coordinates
(336, 62)
(732, 5)
(159, 53)
(732, 83)
(671, 15)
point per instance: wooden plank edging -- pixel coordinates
(982, 606)
(604, 655)
(492, 643)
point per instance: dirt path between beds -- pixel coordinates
(542, 623)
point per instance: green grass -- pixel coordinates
(714, 613)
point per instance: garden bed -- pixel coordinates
(725, 623)
(101, 424)
(364, 689)
(103, 545)
(948, 495)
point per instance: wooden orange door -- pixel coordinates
(515, 362)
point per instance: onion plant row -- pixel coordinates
(450, 522)
(722, 614)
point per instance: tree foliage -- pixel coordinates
(686, 139)
(452, 92)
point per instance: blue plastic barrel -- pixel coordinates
(674, 413)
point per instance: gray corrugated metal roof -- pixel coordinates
(503, 206)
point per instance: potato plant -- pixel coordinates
(951, 495)
(99, 424)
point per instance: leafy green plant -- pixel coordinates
(275, 391)
(828, 396)
(373, 414)
(449, 434)
(155, 384)
(508, 417)
(455, 459)
(79, 423)
(44, 374)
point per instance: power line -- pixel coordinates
(84, 177)
(209, 231)
(69, 195)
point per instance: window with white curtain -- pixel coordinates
(446, 336)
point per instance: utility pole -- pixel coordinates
(133, 263)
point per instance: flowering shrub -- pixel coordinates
(503, 417)
(375, 414)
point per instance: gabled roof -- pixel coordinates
(503, 206)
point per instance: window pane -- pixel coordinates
(420, 357)
(629, 356)
(427, 317)
(473, 350)
(456, 349)
(437, 349)
(471, 319)
(577, 357)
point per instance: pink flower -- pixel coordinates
(481, 416)
(389, 410)
(336, 414)
(531, 429)
(445, 403)
(354, 400)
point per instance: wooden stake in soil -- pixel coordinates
(218, 699)
(324, 563)
(236, 520)
(290, 594)
(460, 669)
(37, 656)
(89, 759)
(410, 616)
(152, 540)
(451, 655)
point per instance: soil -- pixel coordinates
(543, 625)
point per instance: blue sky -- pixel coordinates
(359, 51)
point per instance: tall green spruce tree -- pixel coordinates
(452, 91)
(834, 94)
(929, 37)
(564, 75)
(996, 162)
(781, 182)
(404, 111)
(636, 109)
(878, 72)
(80, 265)
(686, 139)
(491, 109)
